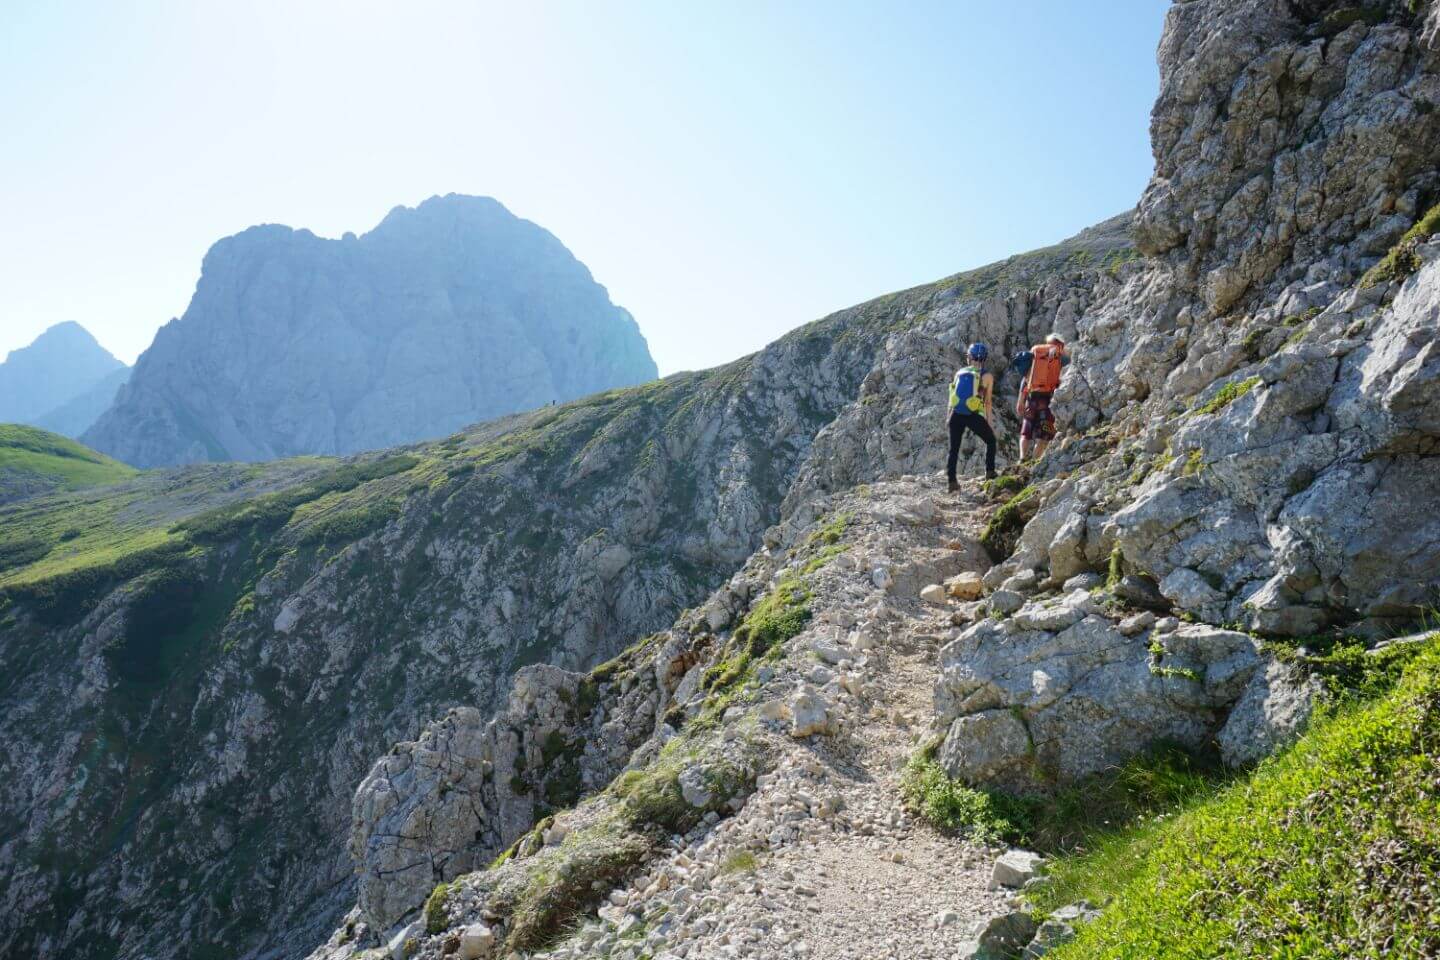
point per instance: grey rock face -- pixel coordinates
(1276, 141)
(1026, 705)
(74, 416)
(61, 365)
(442, 316)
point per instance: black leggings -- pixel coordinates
(976, 424)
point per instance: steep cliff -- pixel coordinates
(450, 313)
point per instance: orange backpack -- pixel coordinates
(1044, 368)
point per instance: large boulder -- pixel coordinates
(1024, 708)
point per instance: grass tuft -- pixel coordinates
(1226, 395)
(1402, 260)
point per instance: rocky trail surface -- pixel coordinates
(822, 847)
(824, 861)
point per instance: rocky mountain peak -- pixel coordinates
(55, 368)
(449, 313)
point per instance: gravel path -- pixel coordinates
(822, 861)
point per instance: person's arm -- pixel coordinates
(1020, 398)
(987, 387)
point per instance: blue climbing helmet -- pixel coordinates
(978, 352)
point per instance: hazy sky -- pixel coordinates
(728, 170)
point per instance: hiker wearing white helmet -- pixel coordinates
(1039, 368)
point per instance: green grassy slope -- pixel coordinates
(1328, 850)
(33, 460)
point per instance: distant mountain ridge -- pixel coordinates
(74, 416)
(450, 313)
(59, 381)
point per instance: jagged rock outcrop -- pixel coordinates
(1229, 463)
(443, 315)
(1286, 135)
(59, 367)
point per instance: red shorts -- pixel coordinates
(1038, 422)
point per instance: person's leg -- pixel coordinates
(957, 430)
(1044, 428)
(983, 430)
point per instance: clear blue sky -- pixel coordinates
(728, 170)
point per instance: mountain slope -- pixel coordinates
(1250, 427)
(74, 416)
(60, 365)
(256, 656)
(443, 315)
(33, 461)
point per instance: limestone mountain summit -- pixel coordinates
(449, 313)
(61, 381)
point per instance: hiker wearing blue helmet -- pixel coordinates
(970, 394)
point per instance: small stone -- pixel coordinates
(1005, 602)
(1137, 623)
(1007, 934)
(1051, 934)
(476, 941)
(967, 586)
(933, 593)
(1083, 581)
(1014, 868)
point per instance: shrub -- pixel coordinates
(557, 894)
(950, 805)
(18, 553)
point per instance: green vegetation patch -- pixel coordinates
(272, 511)
(437, 919)
(949, 805)
(31, 454)
(1007, 485)
(1003, 530)
(1328, 850)
(1226, 395)
(561, 887)
(739, 861)
(1072, 817)
(1402, 260)
(347, 526)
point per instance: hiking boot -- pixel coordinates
(953, 486)
(990, 474)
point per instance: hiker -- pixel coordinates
(970, 395)
(1039, 368)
